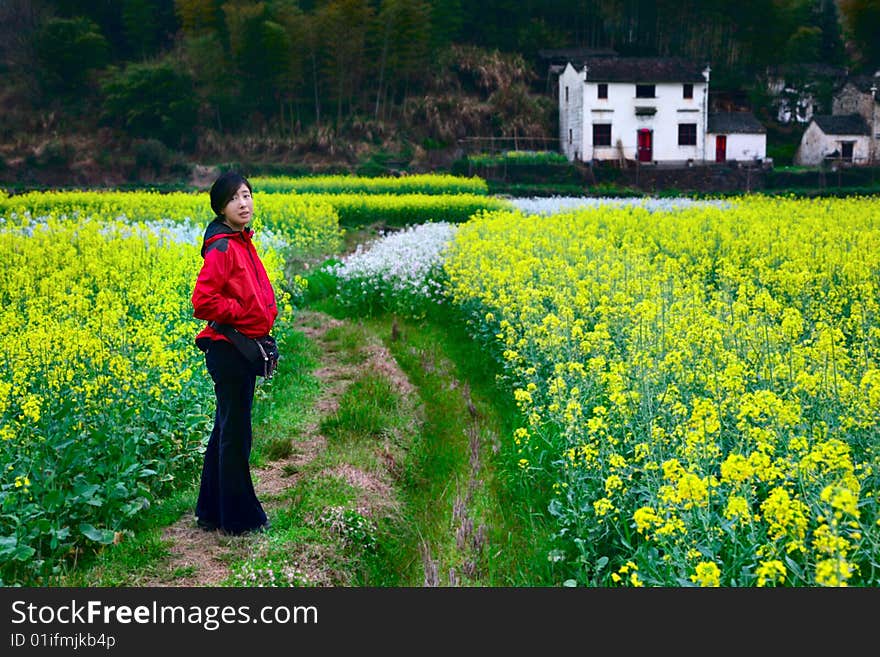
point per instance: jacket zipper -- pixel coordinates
(248, 247)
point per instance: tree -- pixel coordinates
(805, 45)
(219, 94)
(831, 48)
(153, 100)
(446, 23)
(68, 48)
(862, 21)
(196, 16)
(344, 25)
(20, 20)
(403, 32)
(291, 81)
(314, 55)
(146, 24)
(261, 49)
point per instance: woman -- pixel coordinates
(232, 288)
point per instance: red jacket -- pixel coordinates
(232, 286)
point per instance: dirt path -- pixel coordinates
(200, 558)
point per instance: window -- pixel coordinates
(569, 135)
(846, 150)
(566, 94)
(601, 134)
(687, 90)
(687, 134)
(645, 91)
(602, 90)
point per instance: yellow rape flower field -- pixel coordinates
(700, 387)
(104, 402)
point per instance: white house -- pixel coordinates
(860, 94)
(634, 108)
(735, 136)
(838, 137)
(795, 89)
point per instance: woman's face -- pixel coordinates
(240, 209)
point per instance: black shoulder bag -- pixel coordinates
(261, 353)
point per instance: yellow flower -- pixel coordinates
(735, 469)
(30, 408)
(693, 491)
(646, 519)
(707, 574)
(603, 506)
(737, 509)
(833, 572)
(672, 470)
(613, 483)
(770, 572)
(787, 518)
(841, 498)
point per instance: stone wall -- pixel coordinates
(698, 178)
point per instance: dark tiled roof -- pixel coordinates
(863, 83)
(809, 70)
(641, 69)
(841, 124)
(563, 55)
(734, 122)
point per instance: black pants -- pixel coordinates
(226, 497)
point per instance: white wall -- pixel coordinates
(571, 113)
(619, 110)
(740, 146)
(812, 147)
(815, 145)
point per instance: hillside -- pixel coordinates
(145, 91)
(70, 144)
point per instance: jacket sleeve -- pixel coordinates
(208, 298)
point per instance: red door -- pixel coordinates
(645, 145)
(720, 148)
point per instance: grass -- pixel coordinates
(282, 404)
(466, 451)
(459, 503)
(449, 506)
(281, 407)
(139, 551)
(367, 409)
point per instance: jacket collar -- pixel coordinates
(217, 230)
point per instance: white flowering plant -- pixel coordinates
(400, 271)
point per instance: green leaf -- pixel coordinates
(7, 544)
(120, 490)
(103, 536)
(85, 490)
(23, 552)
(11, 548)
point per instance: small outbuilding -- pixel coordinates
(735, 136)
(841, 138)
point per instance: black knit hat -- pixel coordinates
(224, 188)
